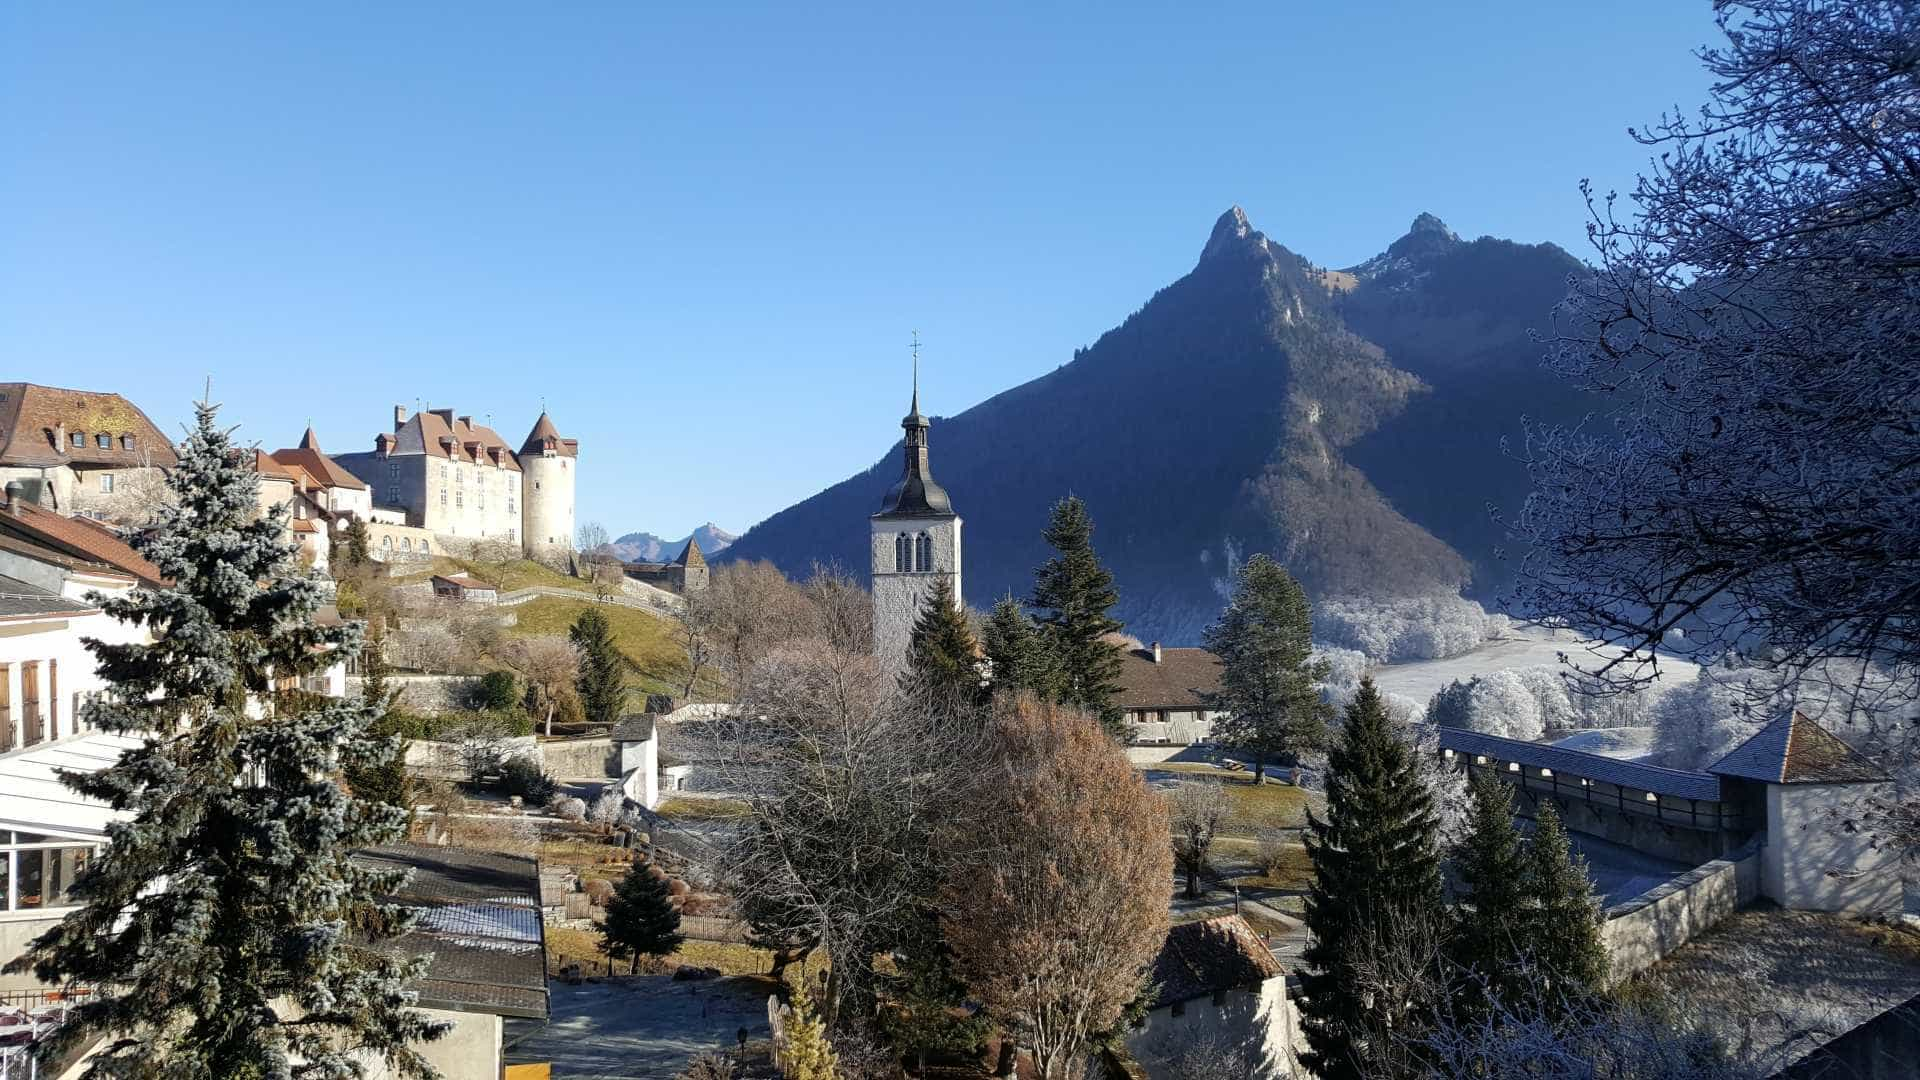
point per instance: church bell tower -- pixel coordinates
(915, 542)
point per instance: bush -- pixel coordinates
(608, 806)
(498, 691)
(1406, 629)
(521, 775)
(599, 891)
(567, 808)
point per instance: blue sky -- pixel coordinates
(703, 233)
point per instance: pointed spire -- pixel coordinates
(916, 495)
(310, 441)
(914, 419)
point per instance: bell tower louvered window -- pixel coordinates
(924, 552)
(902, 553)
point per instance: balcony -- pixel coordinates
(28, 1018)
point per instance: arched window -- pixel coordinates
(902, 553)
(386, 543)
(406, 545)
(925, 552)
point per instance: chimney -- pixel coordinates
(445, 415)
(399, 416)
(1156, 652)
(466, 423)
(60, 437)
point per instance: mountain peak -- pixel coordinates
(1427, 235)
(1233, 232)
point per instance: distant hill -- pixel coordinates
(1347, 422)
(646, 547)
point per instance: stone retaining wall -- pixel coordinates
(1640, 931)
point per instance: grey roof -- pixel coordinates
(634, 727)
(916, 494)
(1795, 750)
(1679, 783)
(478, 917)
(19, 598)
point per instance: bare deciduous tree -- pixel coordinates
(1196, 809)
(1751, 328)
(549, 665)
(1054, 925)
(849, 785)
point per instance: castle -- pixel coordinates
(915, 543)
(463, 484)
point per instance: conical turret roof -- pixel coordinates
(545, 433)
(690, 555)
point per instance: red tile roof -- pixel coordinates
(544, 434)
(324, 470)
(76, 537)
(1795, 750)
(37, 424)
(439, 434)
(264, 464)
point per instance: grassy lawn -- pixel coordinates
(644, 639)
(703, 809)
(569, 946)
(1291, 873)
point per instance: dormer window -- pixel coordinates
(126, 442)
(103, 441)
(79, 439)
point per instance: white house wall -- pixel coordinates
(1259, 1025)
(1812, 862)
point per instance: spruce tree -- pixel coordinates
(1264, 640)
(641, 918)
(1015, 651)
(602, 682)
(1492, 918)
(381, 781)
(926, 1008)
(1564, 923)
(1376, 871)
(1073, 593)
(218, 926)
(943, 659)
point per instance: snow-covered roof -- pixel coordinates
(32, 798)
(1678, 783)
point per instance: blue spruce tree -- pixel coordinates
(225, 928)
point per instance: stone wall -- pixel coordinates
(442, 759)
(425, 693)
(577, 758)
(1641, 832)
(1638, 932)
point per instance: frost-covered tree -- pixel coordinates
(1497, 703)
(225, 927)
(1404, 629)
(1751, 333)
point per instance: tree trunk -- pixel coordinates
(1193, 882)
(549, 720)
(1009, 1057)
(633, 968)
(1259, 763)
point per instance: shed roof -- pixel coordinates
(1181, 679)
(18, 598)
(1795, 750)
(1199, 958)
(1679, 783)
(634, 727)
(32, 798)
(478, 917)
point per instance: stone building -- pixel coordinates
(1221, 996)
(915, 544)
(463, 484)
(81, 452)
(685, 574)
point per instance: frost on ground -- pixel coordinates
(1518, 646)
(1776, 984)
(645, 1026)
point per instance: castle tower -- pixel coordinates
(915, 543)
(547, 466)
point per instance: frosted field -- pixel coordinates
(1521, 646)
